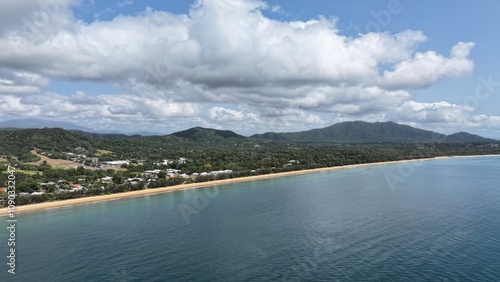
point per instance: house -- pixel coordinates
(76, 187)
(135, 179)
(172, 172)
(107, 179)
(151, 173)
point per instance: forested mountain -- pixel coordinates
(34, 123)
(40, 123)
(206, 134)
(364, 132)
(19, 142)
(464, 137)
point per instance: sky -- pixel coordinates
(251, 66)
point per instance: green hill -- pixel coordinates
(364, 132)
(20, 142)
(464, 137)
(206, 134)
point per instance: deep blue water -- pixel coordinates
(436, 220)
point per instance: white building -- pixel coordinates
(107, 179)
(116, 162)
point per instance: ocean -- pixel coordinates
(435, 220)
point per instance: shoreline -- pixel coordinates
(138, 193)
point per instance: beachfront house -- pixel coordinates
(76, 187)
(134, 180)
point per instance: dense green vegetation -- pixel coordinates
(205, 150)
(363, 132)
(18, 143)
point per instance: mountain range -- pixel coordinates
(364, 132)
(345, 132)
(26, 123)
(41, 123)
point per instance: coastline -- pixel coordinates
(124, 195)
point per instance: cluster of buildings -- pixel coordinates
(165, 162)
(213, 173)
(81, 158)
(147, 176)
(169, 162)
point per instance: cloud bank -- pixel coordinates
(224, 64)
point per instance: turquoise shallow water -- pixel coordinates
(436, 220)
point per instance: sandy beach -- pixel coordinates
(86, 200)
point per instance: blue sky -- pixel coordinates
(252, 66)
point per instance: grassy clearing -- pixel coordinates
(116, 168)
(30, 172)
(102, 152)
(57, 162)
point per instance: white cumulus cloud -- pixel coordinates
(223, 62)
